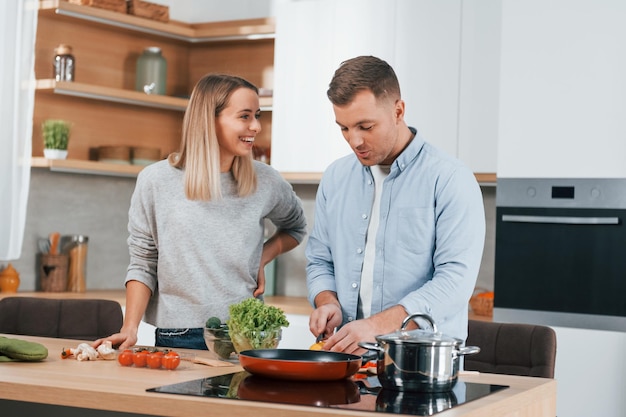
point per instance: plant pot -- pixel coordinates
(55, 153)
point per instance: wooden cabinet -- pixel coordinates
(103, 106)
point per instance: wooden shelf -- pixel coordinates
(77, 166)
(116, 95)
(119, 95)
(249, 29)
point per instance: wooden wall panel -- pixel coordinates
(107, 57)
(250, 60)
(100, 123)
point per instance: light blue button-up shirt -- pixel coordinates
(429, 242)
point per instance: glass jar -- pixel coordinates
(63, 64)
(151, 71)
(77, 270)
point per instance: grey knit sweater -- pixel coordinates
(199, 257)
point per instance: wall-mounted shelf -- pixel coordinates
(119, 95)
(192, 33)
(116, 95)
(77, 166)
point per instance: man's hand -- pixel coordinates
(365, 330)
(325, 319)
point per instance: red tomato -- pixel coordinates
(155, 359)
(125, 358)
(140, 358)
(171, 360)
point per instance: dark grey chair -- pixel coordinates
(80, 319)
(511, 348)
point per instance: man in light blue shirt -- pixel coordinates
(399, 226)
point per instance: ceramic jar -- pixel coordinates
(9, 279)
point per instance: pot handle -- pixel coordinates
(372, 346)
(426, 317)
(468, 350)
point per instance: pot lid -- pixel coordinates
(419, 336)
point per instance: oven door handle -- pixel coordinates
(514, 218)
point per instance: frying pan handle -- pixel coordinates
(426, 317)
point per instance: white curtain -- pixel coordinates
(18, 23)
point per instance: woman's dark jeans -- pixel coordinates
(180, 338)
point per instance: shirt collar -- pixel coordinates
(410, 152)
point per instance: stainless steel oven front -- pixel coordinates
(561, 252)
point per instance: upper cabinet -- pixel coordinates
(102, 104)
(444, 60)
(563, 95)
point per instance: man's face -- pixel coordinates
(372, 128)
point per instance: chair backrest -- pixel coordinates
(511, 348)
(81, 319)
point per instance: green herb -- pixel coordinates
(255, 325)
(56, 134)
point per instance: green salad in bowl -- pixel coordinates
(252, 325)
(255, 325)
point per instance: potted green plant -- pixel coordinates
(56, 135)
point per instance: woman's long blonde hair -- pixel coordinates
(199, 153)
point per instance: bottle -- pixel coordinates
(63, 63)
(151, 71)
(77, 251)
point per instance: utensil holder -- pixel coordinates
(53, 273)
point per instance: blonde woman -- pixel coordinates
(196, 220)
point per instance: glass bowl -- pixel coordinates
(256, 340)
(219, 344)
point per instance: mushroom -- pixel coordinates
(106, 351)
(84, 352)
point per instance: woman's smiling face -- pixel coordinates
(237, 126)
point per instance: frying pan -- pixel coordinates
(300, 364)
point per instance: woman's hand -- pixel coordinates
(122, 340)
(260, 282)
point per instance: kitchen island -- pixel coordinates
(105, 385)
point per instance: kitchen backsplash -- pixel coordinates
(97, 206)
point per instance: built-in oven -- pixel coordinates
(561, 252)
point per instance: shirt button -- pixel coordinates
(369, 182)
(359, 250)
(364, 216)
(354, 285)
(350, 318)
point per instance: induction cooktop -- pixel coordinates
(359, 394)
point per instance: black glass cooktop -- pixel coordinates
(362, 394)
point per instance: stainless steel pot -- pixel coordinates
(418, 360)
